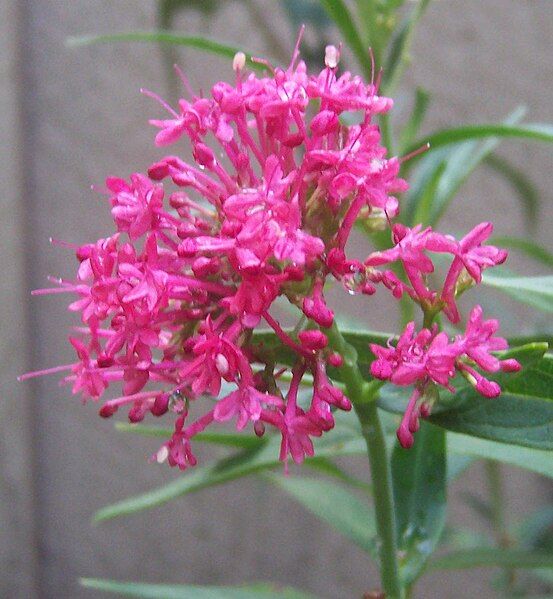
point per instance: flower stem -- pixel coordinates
(363, 396)
(499, 520)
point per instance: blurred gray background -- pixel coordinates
(68, 118)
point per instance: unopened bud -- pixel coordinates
(335, 360)
(136, 414)
(313, 340)
(259, 428)
(510, 365)
(107, 410)
(405, 437)
(160, 405)
(488, 388)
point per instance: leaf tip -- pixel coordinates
(73, 42)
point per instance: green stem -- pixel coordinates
(363, 396)
(499, 519)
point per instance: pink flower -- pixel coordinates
(262, 211)
(247, 402)
(136, 207)
(425, 356)
(475, 258)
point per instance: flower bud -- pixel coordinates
(107, 410)
(160, 405)
(510, 365)
(317, 310)
(335, 360)
(136, 414)
(259, 428)
(488, 388)
(405, 437)
(313, 340)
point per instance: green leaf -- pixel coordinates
(419, 484)
(340, 14)
(177, 591)
(163, 37)
(343, 442)
(534, 291)
(398, 55)
(336, 506)
(522, 415)
(328, 467)
(244, 441)
(524, 188)
(444, 137)
(483, 557)
(535, 460)
(456, 162)
(539, 338)
(527, 247)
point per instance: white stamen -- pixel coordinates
(162, 454)
(332, 57)
(239, 61)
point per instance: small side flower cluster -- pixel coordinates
(429, 358)
(202, 250)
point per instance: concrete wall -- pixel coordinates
(69, 118)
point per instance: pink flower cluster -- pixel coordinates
(429, 357)
(169, 302)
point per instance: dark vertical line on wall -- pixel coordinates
(26, 132)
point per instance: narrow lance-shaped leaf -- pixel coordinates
(525, 246)
(532, 132)
(456, 162)
(400, 46)
(163, 37)
(335, 505)
(239, 440)
(541, 338)
(419, 483)
(535, 460)
(480, 557)
(178, 591)
(534, 291)
(343, 442)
